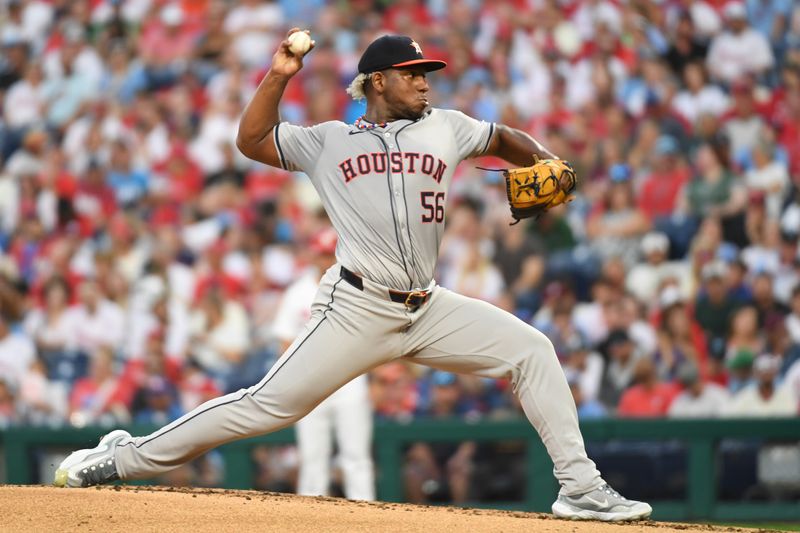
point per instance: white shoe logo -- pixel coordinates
(599, 503)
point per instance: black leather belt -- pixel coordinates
(412, 299)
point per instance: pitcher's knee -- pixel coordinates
(538, 351)
(288, 408)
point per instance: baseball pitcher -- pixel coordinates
(383, 182)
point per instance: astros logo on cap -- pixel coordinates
(416, 47)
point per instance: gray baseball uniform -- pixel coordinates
(384, 188)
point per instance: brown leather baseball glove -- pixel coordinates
(535, 189)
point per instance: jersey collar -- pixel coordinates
(362, 125)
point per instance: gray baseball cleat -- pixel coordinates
(93, 466)
(603, 503)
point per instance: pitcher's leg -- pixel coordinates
(337, 346)
(314, 443)
(353, 412)
(466, 335)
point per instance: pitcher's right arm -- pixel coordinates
(256, 128)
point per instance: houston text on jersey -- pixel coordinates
(401, 162)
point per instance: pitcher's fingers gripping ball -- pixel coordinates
(535, 189)
(300, 43)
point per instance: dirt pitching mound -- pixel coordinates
(140, 509)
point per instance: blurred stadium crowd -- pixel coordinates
(142, 257)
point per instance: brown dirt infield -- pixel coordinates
(166, 510)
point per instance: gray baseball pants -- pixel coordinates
(352, 331)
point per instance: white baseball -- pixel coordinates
(299, 43)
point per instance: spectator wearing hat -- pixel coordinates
(646, 279)
(766, 397)
(739, 50)
(440, 470)
(614, 230)
(622, 357)
(739, 364)
(585, 366)
(156, 402)
(648, 397)
(660, 189)
(698, 398)
(713, 307)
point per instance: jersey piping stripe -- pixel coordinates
(278, 147)
(391, 204)
(324, 316)
(488, 139)
(246, 392)
(405, 202)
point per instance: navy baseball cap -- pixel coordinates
(395, 51)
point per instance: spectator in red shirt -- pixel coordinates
(100, 397)
(650, 397)
(393, 392)
(94, 200)
(216, 276)
(166, 46)
(660, 189)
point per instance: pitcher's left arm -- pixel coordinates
(516, 146)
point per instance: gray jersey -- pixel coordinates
(385, 188)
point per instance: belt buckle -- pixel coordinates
(412, 294)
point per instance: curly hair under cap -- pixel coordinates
(356, 87)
